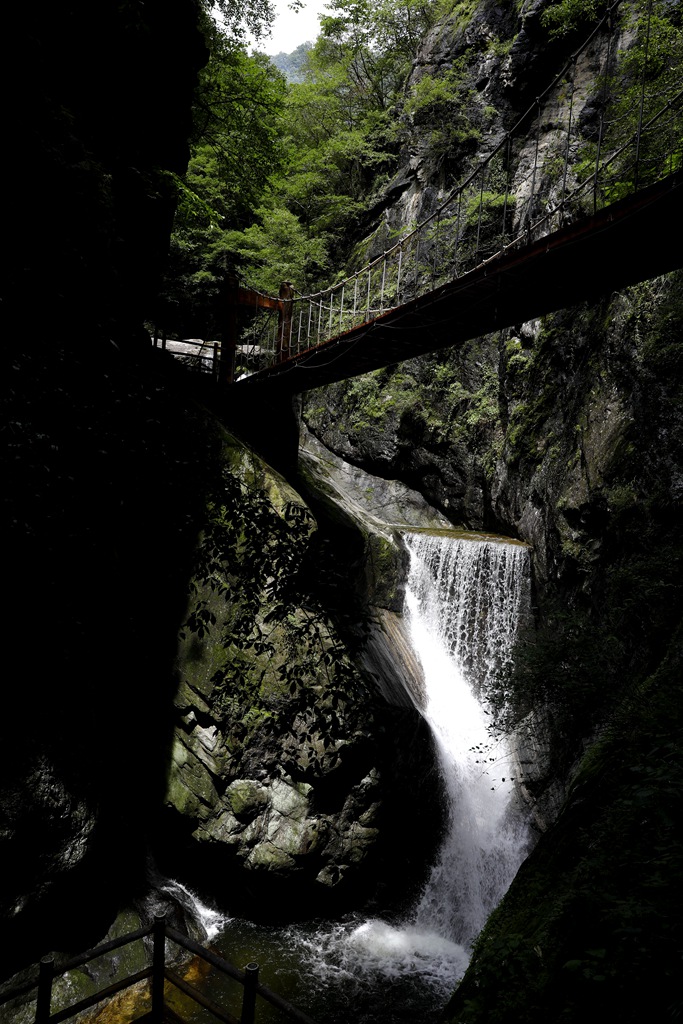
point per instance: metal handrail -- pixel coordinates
(241, 976)
(158, 972)
(444, 240)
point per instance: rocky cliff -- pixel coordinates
(290, 773)
(565, 432)
(90, 489)
(258, 744)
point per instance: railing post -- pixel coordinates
(481, 211)
(457, 235)
(642, 96)
(158, 967)
(533, 177)
(249, 998)
(569, 135)
(46, 972)
(508, 151)
(284, 327)
(226, 368)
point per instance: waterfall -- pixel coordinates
(182, 907)
(465, 599)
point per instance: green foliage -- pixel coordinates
(461, 11)
(375, 43)
(276, 249)
(646, 75)
(238, 17)
(446, 106)
(332, 154)
(235, 151)
(238, 117)
(282, 177)
(641, 86)
(344, 125)
(483, 403)
(343, 131)
(569, 15)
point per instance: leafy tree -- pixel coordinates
(241, 16)
(292, 64)
(237, 124)
(568, 15)
(302, 164)
(277, 248)
(235, 151)
(343, 125)
(375, 44)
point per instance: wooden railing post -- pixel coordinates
(46, 973)
(158, 967)
(284, 327)
(249, 998)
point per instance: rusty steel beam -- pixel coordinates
(257, 300)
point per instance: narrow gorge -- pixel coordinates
(396, 713)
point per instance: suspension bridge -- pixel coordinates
(561, 210)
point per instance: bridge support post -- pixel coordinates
(215, 361)
(226, 367)
(284, 327)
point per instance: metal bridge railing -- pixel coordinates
(158, 973)
(534, 181)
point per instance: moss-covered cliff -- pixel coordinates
(567, 433)
(288, 769)
(256, 750)
(257, 746)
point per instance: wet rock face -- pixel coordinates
(567, 433)
(572, 444)
(51, 826)
(564, 432)
(431, 423)
(286, 763)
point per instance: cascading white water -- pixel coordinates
(465, 599)
(210, 921)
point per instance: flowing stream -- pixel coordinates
(464, 601)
